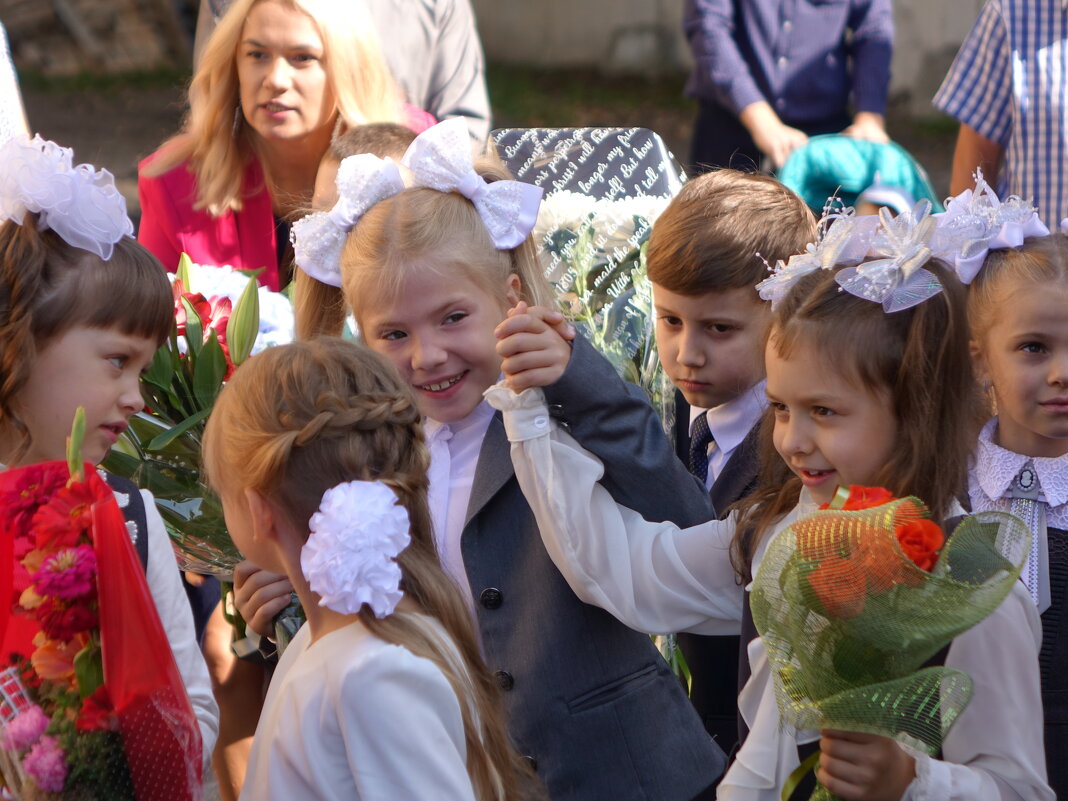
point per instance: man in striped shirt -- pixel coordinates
(1007, 87)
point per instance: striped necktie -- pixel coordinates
(1027, 502)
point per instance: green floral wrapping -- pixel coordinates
(849, 620)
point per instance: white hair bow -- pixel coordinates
(362, 181)
(354, 539)
(78, 202)
(897, 280)
(440, 158)
(844, 239)
(976, 222)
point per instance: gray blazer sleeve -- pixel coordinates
(457, 77)
(614, 421)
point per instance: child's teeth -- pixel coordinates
(444, 385)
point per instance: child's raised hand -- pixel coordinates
(259, 596)
(534, 346)
(864, 767)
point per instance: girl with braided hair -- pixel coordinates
(317, 451)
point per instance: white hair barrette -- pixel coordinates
(362, 181)
(350, 558)
(844, 239)
(78, 202)
(976, 222)
(898, 279)
(440, 158)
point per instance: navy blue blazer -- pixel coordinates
(713, 661)
(591, 703)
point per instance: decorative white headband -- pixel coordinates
(897, 280)
(976, 222)
(350, 558)
(79, 203)
(844, 239)
(439, 158)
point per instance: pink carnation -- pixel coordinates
(25, 729)
(68, 574)
(46, 764)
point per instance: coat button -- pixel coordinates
(491, 598)
(504, 680)
(531, 762)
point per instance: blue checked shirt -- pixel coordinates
(1009, 83)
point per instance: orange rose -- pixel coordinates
(839, 586)
(54, 660)
(864, 498)
(921, 540)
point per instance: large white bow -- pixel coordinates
(898, 279)
(844, 239)
(79, 203)
(440, 158)
(976, 222)
(362, 181)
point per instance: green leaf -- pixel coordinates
(244, 324)
(194, 329)
(184, 263)
(164, 439)
(209, 372)
(89, 669)
(74, 445)
(161, 370)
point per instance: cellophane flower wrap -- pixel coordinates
(852, 602)
(221, 318)
(91, 702)
(604, 189)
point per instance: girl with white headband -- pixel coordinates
(429, 271)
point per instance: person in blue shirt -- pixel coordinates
(770, 73)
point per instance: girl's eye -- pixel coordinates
(255, 55)
(822, 411)
(304, 58)
(455, 317)
(722, 328)
(667, 319)
(118, 361)
(778, 408)
(392, 336)
(1033, 347)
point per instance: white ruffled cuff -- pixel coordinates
(932, 782)
(526, 415)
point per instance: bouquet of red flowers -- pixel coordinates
(853, 600)
(91, 702)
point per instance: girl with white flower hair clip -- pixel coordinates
(83, 309)
(1017, 302)
(869, 383)
(317, 452)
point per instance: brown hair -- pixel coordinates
(382, 139)
(420, 225)
(708, 238)
(919, 356)
(298, 419)
(355, 68)
(1040, 260)
(48, 287)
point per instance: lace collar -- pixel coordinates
(996, 467)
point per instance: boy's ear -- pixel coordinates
(262, 516)
(514, 289)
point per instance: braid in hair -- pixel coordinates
(298, 419)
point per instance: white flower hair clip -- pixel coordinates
(78, 202)
(440, 158)
(898, 279)
(976, 222)
(362, 181)
(844, 239)
(350, 558)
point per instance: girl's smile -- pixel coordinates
(829, 430)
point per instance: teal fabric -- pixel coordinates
(845, 167)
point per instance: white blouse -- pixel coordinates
(658, 578)
(353, 718)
